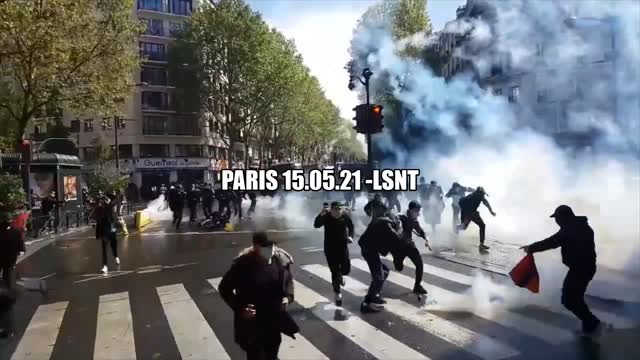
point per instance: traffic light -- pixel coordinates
(120, 123)
(375, 119)
(106, 123)
(361, 119)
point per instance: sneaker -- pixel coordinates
(117, 260)
(419, 290)
(338, 299)
(378, 300)
(343, 282)
(104, 269)
(483, 247)
(366, 308)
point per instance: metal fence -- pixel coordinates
(65, 220)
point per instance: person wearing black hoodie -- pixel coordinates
(576, 240)
(258, 288)
(469, 212)
(338, 232)
(407, 248)
(377, 240)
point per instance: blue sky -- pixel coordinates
(322, 31)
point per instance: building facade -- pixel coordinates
(156, 144)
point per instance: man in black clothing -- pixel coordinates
(236, 199)
(375, 241)
(258, 288)
(253, 196)
(193, 198)
(469, 210)
(576, 240)
(407, 248)
(11, 246)
(375, 208)
(456, 193)
(207, 200)
(338, 232)
(178, 200)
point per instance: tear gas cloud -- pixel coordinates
(524, 172)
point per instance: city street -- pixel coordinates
(162, 303)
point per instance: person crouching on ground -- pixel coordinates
(576, 240)
(338, 232)
(258, 287)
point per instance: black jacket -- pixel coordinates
(471, 202)
(576, 240)
(375, 208)
(238, 290)
(11, 245)
(336, 231)
(408, 226)
(380, 236)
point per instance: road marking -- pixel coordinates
(190, 329)
(531, 327)
(290, 349)
(439, 272)
(41, 333)
(472, 342)
(363, 334)
(114, 333)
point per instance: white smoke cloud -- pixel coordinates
(524, 172)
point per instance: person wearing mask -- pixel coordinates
(456, 193)
(106, 229)
(576, 241)
(377, 239)
(11, 247)
(469, 211)
(338, 233)
(258, 288)
(407, 248)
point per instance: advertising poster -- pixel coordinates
(70, 188)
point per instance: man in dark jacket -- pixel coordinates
(456, 193)
(576, 240)
(178, 199)
(193, 198)
(258, 288)
(375, 241)
(407, 248)
(469, 207)
(11, 246)
(338, 232)
(207, 200)
(375, 208)
(106, 219)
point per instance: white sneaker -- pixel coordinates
(117, 260)
(104, 269)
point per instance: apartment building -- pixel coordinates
(156, 144)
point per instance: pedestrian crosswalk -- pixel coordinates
(406, 329)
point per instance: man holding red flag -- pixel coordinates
(576, 240)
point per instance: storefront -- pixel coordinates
(159, 171)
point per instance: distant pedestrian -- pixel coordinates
(11, 247)
(259, 288)
(434, 205)
(338, 233)
(253, 196)
(576, 240)
(469, 210)
(456, 193)
(106, 220)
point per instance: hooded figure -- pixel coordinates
(469, 210)
(258, 287)
(576, 240)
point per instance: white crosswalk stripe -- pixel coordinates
(194, 337)
(37, 341)
(477, 344)
(290, 349)
(117, 329)
(548, 333)
(114, 333)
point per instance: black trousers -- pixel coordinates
(266, 348)
(413, 254)
(177, 217)
(193, 212)
(573, 289)
(112, 241)
(475, 218)
(379, 273)
(237, 208)
(339, 264)
(206, 208)
(8, 276)
(252, 207)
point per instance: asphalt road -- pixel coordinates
(162, 303)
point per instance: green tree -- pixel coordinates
(103, 151)
(61, 52)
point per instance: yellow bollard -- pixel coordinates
(228, 227)
(142, 219)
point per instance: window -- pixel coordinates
(153, 5)
(153, 76)
(75, 126)
(40, 128)
(154, 125)
(188, 151)
(185, 125)
(153, 27)
(154, 150)
(126, 151)
(514, 94)
(153, 51)
(497, 92)
(88, 125)
(180, 7)
(213, 152)
(176, 27)
(155, 100)
(89, 153)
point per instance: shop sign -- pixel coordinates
(172, 163)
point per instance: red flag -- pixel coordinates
(525, 274)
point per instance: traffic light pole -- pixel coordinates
(115, 129)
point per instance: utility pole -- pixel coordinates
(116, 125)
(366, 73)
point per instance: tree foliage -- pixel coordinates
(78, 53)
(106, 181)
(12, 195)
(251, 82)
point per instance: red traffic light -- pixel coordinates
(377, 109)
